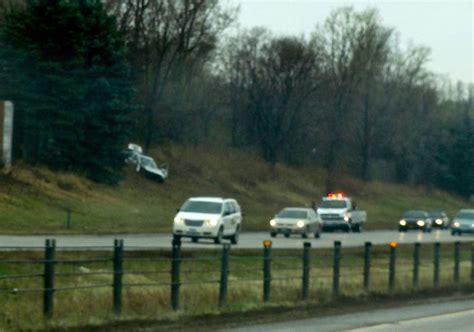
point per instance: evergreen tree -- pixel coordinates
(72, 92)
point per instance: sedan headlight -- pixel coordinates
(439, 221)
(300, 223)
(178, 221)
(420, 223)
(273, 223)
(211, 222)
(456, 224)
(403, 222)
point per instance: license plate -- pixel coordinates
(192, 230)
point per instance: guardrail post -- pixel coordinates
(175, 272)
(367, 257)
(267, 269)
(391, 266)
(48, 295)
(306, 269)
(118, 275)
(437, 246)
(472, 261)
(224, 275)
(416, 264)
(457, 246)
(335, 272)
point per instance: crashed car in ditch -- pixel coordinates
(145, 164)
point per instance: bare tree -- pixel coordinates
(275, 79)
(167, 39)
(351, 44)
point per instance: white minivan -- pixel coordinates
(208, 217)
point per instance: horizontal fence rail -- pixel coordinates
(331, 268)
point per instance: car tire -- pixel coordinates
(305, 234)
(235, 238)
(402, 229)
(194, 239)
(317, 234)
(273, 234)
(218, 238)
(176, 238)
(287, 235)
(349, 228)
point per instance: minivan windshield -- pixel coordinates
(414, 214)
(292, 214)
(465, 215)
(334, 204)
(202, 207)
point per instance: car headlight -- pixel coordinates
(456, 224)
(403, 222)
(178, 221)
(273, 223)
(211, 222)
(420, 223)
(346, 218)
(300, 223)
(439, 221)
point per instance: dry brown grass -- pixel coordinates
(34, 200)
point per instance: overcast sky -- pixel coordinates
(447, 27)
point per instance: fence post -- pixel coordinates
(436, 264)
(391, 266)
(472, 261)
(48, 295)
(306, 269)
(335, 272)
(416, 264)
(175, 272)
(118, 275)
(457, 246)
(267, 269)
(367, 257)
(224, 275)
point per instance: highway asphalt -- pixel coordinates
(443, 316)
(248, 240)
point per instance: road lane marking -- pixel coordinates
(404, 324)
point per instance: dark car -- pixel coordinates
(463, 222)
(415, 219)
(439, 219)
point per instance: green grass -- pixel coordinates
(200, 274)
(35, 200)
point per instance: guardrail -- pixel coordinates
(300, 267)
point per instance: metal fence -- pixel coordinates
(303, 267)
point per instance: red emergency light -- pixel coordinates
(336, 195)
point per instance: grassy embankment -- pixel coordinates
(93, 307)
(34, 200)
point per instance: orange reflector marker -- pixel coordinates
(267, 243)
(393, 244)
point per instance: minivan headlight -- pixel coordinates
(403, 222)
(178, 221)
(273, 223)
(300, 223)
(456, 224)
(211, 222)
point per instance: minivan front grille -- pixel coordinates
(193, 223)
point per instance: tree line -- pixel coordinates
(348, 97)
